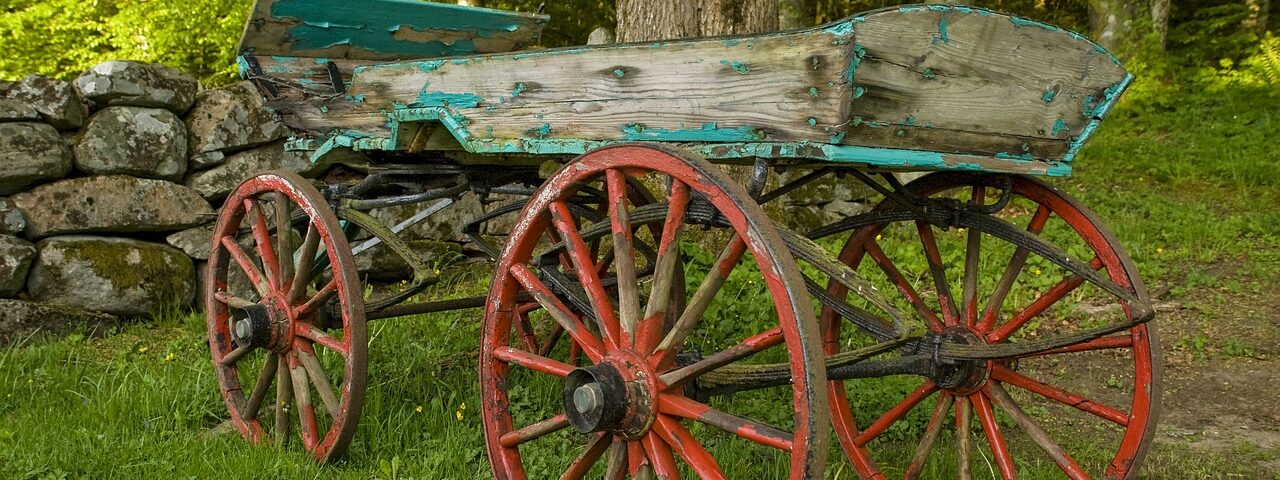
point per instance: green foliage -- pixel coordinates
(62, 38)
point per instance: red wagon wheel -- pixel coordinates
(628, 403)
(300, 325)
(1001, 296)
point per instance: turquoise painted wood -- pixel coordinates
(384, 29)
(926, 87)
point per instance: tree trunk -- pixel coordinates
(648, 20)
(1111, 22)
(1259, 12)
(796, 14)
(1160, 20)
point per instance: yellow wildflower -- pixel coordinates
(169, 357)
(1159, 249)
(419, 409)
(143, 349)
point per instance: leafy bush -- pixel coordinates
(62, 38)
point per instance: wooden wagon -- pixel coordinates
(608, 332)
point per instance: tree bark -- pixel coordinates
(796, 14)
(649, 20)
(1111, 22)
(1160, 20)
(1259, 15)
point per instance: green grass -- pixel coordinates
(1186, 185)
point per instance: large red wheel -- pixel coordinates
(299, 326)
(624, 411)
(972, 287)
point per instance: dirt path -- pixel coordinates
(1222, 374)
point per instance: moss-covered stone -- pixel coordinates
(113, 203)
(31, 153)
(15, 260)
(114, 275)
(136, 141)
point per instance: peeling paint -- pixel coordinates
(737, 66)
(710, 132)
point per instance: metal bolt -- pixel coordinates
(244, 329)
(587, 398)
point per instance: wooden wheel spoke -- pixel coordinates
(284, 238)
(306, 258)
(235, 355)
(534, 431)
(532, 361)
(316, 335)
(973, 246)
(616, 468)
(904, 286)
(262, 242)
(624, 255)
(284, 394)
(260, 388)
(964, 438)
(581, 257)
(1001, 398)
(702, 298)
(660, 457)
(302, 398)
(231, 300)
(1016, 264)
(995, 439)
(247, 266)
(1040, 304)
(664, 269)
(583, 463)
(316, 301)
(938, 271)
(682, 442)
(559, 312)
(680, 406)
(931, 431)
(894, 414)
(1004, 374)
(751, 345)
(321, 382)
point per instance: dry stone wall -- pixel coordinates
(109, 185)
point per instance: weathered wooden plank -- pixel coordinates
(383, 29)
(981, 82)
(780, 87)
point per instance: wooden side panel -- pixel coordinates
(383, 29)
(775, 88)
(967, 80)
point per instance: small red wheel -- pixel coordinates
(301, 327)
(998, 294)
(628, 401)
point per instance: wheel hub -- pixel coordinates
(615, 395)
(263, 325)
(962, 377)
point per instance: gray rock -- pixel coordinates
(136, 141)
(444, 225)
(217, 182)
(19, 319)
(113, 203)
(840, 209)
(31, 153)
(114, 275)
(193, 241)
(227, 120)
(57, 101)
(5, 85)
(16, 111)
(15, 259)
(121, 82)
(11, 220)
